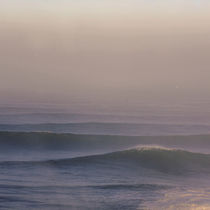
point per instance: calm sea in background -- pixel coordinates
(151, 157)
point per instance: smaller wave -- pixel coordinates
(112, 128)
(165, 160)
(119, 186)
(144, 187)
(54, 141)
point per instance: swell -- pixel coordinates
(134, 186)
(113, 128)
(46, 140)
(160, 159)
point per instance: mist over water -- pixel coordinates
(104, 52)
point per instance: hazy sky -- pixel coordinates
(53, 50)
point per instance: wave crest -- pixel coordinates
(161, 159)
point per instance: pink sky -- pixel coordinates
(63, 48)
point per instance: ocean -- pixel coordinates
(83, 161)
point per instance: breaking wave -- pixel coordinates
(165, 160)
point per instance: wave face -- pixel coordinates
(165, 160)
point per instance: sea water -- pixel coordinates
(141, 163)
